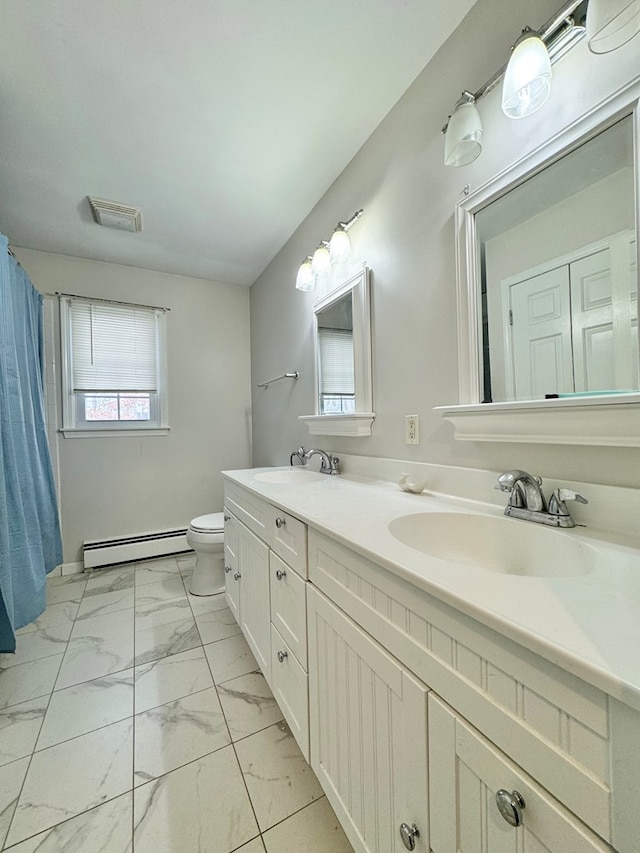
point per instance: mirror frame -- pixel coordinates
(356, 423)
(577, 420)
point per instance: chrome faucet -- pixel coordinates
(527, 500)
(329, 464)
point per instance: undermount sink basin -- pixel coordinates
(498, 544)
(296, 476)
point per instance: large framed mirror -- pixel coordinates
(548, 291)
(342, 351)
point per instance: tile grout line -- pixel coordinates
(233, 746)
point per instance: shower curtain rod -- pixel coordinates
(109, 301)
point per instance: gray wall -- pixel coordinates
(407, 237)
(125, 485)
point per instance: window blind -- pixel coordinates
(113, 347)
(336, 359)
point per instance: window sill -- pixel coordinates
(109, 433)
(607, 421)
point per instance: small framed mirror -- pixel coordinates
(548, 291)
(343, 375)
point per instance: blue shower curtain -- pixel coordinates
(30, 545)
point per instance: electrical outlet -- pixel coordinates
(412, 429)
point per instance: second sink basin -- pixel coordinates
(495, 543)
(294, 476)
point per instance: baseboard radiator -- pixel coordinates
(126, 549)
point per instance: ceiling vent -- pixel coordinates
(115, 215)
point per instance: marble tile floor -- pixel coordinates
(134, 719)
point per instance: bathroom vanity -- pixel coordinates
(459, 681)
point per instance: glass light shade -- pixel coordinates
(527, 80)
(321, 263)
(463, 142)
(305, 280)
(611, 23)
(340, 247)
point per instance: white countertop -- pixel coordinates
(588, 624)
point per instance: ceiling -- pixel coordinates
(224, 120)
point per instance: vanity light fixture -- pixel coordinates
(463, 143)
(527, 80)
(329, 252)
(611, 23)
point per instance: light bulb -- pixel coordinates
(340, 247)
(321, 263)
(305, 280)
(527, 80)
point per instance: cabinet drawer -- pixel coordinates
(554, 725)
(288, 538)
(289, 606)
(250, 509)
(290, 685)
(466, 772)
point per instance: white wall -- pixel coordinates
(125, 485)
(407, 236)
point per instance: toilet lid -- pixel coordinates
(212, 523)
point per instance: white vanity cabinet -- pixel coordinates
(268, 581)
(575, 748)
(414, 714)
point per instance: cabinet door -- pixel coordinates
(231, 577)
(255, 621)
(465, 772)
(291, 690)
(368, 729)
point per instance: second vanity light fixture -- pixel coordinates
(527, 74)
(337, 250)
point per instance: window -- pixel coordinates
(113, 367)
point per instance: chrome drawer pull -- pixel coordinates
(408, 834)
(282, 656)
(280, 522)
(227, 569)
(227, 518)
(280, 574)
(510, 806)
(237, 576)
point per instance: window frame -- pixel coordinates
(74, 424)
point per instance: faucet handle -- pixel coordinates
(557, 501)
(507, 481)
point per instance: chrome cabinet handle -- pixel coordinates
(282, 656)
(227, 518)
(227, 569)
(237, 576)
(408, 834)
(280, 522)
(510, 806)
(280, 574)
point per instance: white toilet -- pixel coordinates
(206, 536)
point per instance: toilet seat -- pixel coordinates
(211, 523)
